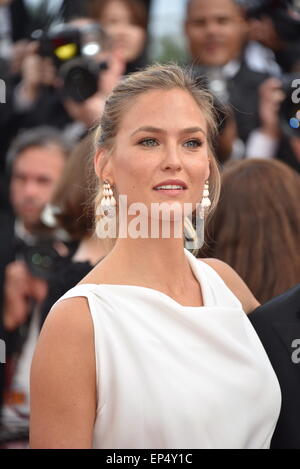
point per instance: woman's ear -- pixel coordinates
(97, 162)
(207, 172)
(102, 165)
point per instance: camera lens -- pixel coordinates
(80, 82)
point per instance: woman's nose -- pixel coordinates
(172, 160)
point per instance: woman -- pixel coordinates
(153, 349)
(258, 218)
(125, 21)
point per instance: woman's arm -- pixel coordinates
(235, 283)
(63, 379)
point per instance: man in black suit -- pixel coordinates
(277, 324)
(38, 158)
(217, 33)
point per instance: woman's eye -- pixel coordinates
(193, 144)
(148, 142)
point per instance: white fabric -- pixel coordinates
(173, 376)
(261, 145)
(261, 59)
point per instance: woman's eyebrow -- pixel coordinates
(147, 128)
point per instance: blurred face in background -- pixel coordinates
(128, 37)
(216, 31)
(35, 174)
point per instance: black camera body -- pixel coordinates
(40, 256)
(74, 51)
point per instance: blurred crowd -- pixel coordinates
(58, 71)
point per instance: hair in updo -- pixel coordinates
(157, 77)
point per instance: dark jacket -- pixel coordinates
(278, 325)
(20, 20)
(243, 96)
(242, 90)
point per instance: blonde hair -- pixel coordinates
(157, 77)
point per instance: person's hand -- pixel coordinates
(109, 78)
(20, 288)
(36, 71)
(270, 98)
(87, 112)
(49, 73)
(18, 53)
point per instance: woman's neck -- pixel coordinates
(150, 262)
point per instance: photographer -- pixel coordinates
(279, 133)
(275, 25)
(37, 159)
(67, 77)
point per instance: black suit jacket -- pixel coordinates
(278, 325)
(20, 20)
(243, 96)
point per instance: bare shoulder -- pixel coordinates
(63, 379)
(235, 283)
(72, 313)
(69, 322)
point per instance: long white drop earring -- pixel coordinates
(206, 202)
(108, 202)
(194, 236)
(106, 211)
(201, 212)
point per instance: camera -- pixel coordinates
(289, 113)
(41, 258)
(75, 51)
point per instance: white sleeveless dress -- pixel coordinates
(173, 376)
